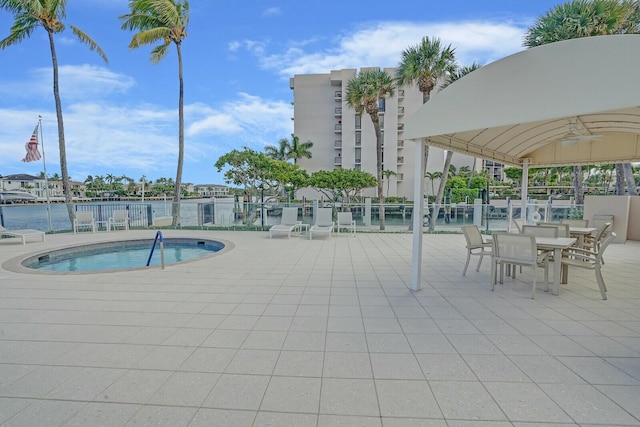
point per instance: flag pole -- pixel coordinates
(46, 180)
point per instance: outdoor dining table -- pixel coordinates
(579, 233)
(557, 244)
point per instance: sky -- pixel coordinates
(121, 118)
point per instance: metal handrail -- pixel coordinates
(158, 238)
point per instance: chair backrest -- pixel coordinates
(84, 216)
(610, 238)
(575, 222)
(289, 216)
(473, 236)
(120, 215)
(519, 248)
(519, 222)
(600, 231)
(534, 230)
(563, 229)
(324, 218)
(345, 218)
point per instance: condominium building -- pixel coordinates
(343, 139)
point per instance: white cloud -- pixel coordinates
(77, 81)
(381, 44)
(272, 11)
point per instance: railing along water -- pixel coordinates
(157, 239)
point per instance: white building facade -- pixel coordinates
(343, 139)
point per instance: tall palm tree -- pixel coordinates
(586, 18)
(452, 76)
(364, 91)
(163, 21)
(299, 150)
(387, 174)
(48, 14)
(425, 64)
(279, 152)
(431, 176)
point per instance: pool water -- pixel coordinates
(122, 255)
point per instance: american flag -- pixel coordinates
(32, 148)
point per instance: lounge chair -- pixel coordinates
(324, 223)
(119, 218)
(346, 222)
(84, 219)
(23, 233)
(288, 222)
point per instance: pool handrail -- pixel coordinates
(158, 238)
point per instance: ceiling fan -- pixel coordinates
(573, 136)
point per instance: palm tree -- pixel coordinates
(452, 76)
(364, 92)
(425, 64)
(581, 18)
(163, 21)
(28, 15)
(387, 174)
(299, 150)
(280, 152)
(431, 176)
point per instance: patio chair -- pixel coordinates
(519, 222)
(346, 222)
(536, 230)
(288, 222)
(475, 245)
(563, 229)
(84, 219)
(22, 233)
(119, 218)
(517, 249)
(593, 241)
(590, 260)
(324, 223)
(575, 222)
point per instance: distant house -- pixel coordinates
(23, 182)
(211, 190)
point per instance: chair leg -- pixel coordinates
(601, 285)
(464, 271)
(479, 262)
(494, 268)
(533, 289)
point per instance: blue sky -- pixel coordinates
(121, 118)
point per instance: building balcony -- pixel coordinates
(401, 111)
(400, 160)
(400, 127)
(337, 161)
(400, 93)
(337, 128)
(401, 143)
(358, 161)
(337, 112)
(337, 95)
(337, 144)
(400, 177)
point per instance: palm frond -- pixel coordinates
(159, 52)
(84, 38)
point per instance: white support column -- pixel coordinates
(524, 189)
(418, 214)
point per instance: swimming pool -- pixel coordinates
(121, 255)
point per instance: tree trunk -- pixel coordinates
(577, 185)
(424, 173)
(619, 179)
(441, 187)
(66, 188)
(629, 179)
(376, 125)
(175, 206)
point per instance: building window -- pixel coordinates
(381, 105)
(358, 139)
(358, 121)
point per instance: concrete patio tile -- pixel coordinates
(346, 341)
(253, 362)
(546, 369)
(308, 324)
(344, 324)
(102, 414)
(152, 416)
(9, 406)
(526, 402)
(431, 343)
(184, 389)
(134, 386)
(490, 367)
(586, 404)
(208, 360)
(45, 413)
(86, 384)
(402, 398)
(299, 364)
(349, 397)
(273, 323)
(450, 367)
(188, 337)
(605, 346)
(273, 419)
(164, 358)
(347, 365)
(395, 366)
(465, 400)
(382, 325)
(265, 340)
(629, 365)
(237, 392)
(414, 422)
(627, 397)
(348, 420)
(40, 381)
(595, 370)
(557, 345)
(292, 394)
(388, 343)
(305, 341)
(473, 344)
(419, 326)
(225, 338)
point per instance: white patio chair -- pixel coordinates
(22, 233)
(84, 219)
(119, 218)
(517, 249)
(346, 222)
(575, 222)
(593, 242)
(563, 229)
(590, 260)
(288, 222)
(475, 245)
(324, 223)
